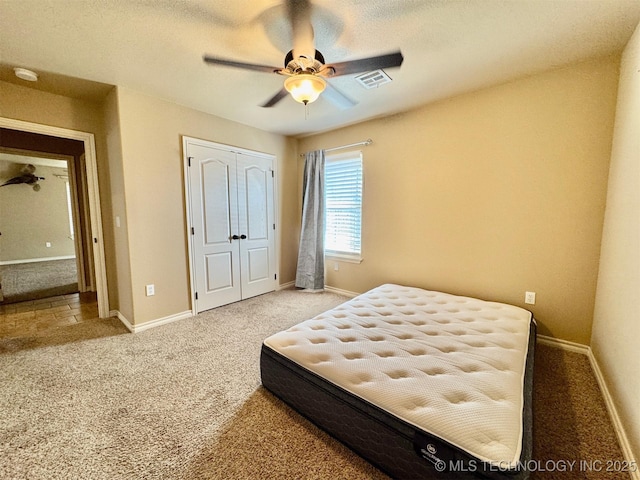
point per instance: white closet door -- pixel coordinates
(231, 208)
(256, 223)
(216, 259)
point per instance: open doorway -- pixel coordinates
(78, 231)
(42, 255)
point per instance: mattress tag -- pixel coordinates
(438, 453)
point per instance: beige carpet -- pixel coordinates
(184, 401)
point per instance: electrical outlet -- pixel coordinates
(48, 244)
(151, 290)
(530, 298)
(336, 266)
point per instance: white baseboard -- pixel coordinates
(34, 260)
(339, 291)
(285, 286)
(122, 318)
(563, 344)
(327, 288)
(618, 426)
(152, 323)
(623, 439)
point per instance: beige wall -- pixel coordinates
(29, 105)
(491, 194)
(29, 219)
(616, 328)
(121, 292)
(140, 171)
(153, 188)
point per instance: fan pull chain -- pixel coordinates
(306, 111)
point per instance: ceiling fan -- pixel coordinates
(305, 67)
(26, 177)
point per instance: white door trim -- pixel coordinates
(188, 213)
(93, 191)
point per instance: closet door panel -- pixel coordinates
(219, 272)
(256, 220)
(258, 265)
(217, 201)
(214, 207)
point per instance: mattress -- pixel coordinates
(421, 383)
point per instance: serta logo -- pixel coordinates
(431, 449)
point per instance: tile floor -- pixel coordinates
(39, 317)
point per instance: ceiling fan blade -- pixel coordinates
(363, 65)
(338, 98)
(299, 12)
(275, 99)
(247, 66)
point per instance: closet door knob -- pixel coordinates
(243, 236)
(235, 237)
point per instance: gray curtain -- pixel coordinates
(310, 272)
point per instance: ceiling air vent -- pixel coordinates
(373, 79)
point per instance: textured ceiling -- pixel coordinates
(449, 46)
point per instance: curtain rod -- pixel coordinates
(368, 141)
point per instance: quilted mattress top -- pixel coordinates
(451, 366)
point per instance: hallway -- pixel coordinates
(45, 316)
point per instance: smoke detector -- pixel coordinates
(25, 74)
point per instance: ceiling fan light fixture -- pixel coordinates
(305, 88)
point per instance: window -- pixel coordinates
(69, 210)
(343, 205)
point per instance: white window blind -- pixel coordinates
(343, 204)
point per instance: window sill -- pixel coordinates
(343, 258)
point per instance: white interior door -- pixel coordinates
(232, 223)
(216, 260)
(257, 224)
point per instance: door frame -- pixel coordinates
(93, 192)
(188, 212)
